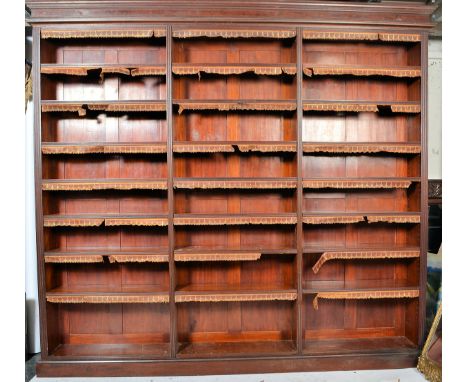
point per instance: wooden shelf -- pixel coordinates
(54, 148)
(87, 70)
(313, 287)
(89, 220)
(100, 33)
(234, 146)
(155, 255)
(360, 290)
(378, 345)
(364, 294)
(51, 148)
(368, 255)
(411, 72)
(81, 107)
(223, 254)
(358, 183)
(229, 33)
(202, 147)
(224, 105)
(361, 217)
(308, 34)
(233, 349)
(183, 69)
(234, 288)
(213, 256)
(223, 250)
(103, 184)
(361, 148)
(108, 289)
(309, 249)
(234, 292)
(399, 217)
(235, 183)
(361, 106)
(233, 219)
(108, 295)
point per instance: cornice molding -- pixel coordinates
(386, 13)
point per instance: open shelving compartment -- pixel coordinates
(234, 160)
(362, 193)
(117, 309)
(367, 66)
(219, 303)
(104, 193)
(361, 286)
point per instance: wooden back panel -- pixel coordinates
(195, 329)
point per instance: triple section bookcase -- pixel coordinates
(230, 197)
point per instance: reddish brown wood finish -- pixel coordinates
(279, 364)
(225, 164)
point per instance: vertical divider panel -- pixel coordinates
(36, 75)
(424, 192)
(299, 234)
(170, 195)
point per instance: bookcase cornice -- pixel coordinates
(403, 14)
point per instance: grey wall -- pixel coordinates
(435, 109)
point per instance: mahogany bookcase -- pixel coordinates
(230, 187)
